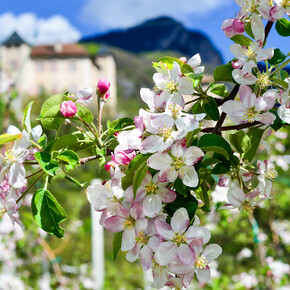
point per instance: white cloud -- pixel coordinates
(38, 30)
(110, 14)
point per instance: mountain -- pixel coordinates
(161, 34)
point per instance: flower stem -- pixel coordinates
(31, 185)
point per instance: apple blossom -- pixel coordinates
(177, 237)
(250, 108)
(177, 164)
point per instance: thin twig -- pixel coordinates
(233, 127)
(32, 174)
(90, 158)
(32, 184)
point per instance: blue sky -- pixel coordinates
(67, 20)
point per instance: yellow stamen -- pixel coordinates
(165, 132)
(178, 163)
(200, 262)
(178, 239)
(150, 187)
(141, 239)
(129, 223)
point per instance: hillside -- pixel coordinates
(161, 34)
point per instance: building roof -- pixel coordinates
(59, 51)
(13, 40)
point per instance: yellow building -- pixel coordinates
(54, 68)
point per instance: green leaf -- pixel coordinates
(117, 242)
(180, 187)
(45, 161)
(241, 141)
(283, 27)
(221, 168)
(223, 73)
(216, 143)
(47, 212)
(52, 118)
(196, 78)
(84, 113)
(168, 60)
(278, 57)
(255, 136)
(120, 123)
(43, 141)
(212, 110)
(280, 82)
(26, 117)
(50, 102)
(248, 29)
(73, 180)
(209, 161)
(6, 138)
(70, 157)
(219, 89)
(242, 40)
(278, 123)
(140, 159)
(189, 202)
(139, 176)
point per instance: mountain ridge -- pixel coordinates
(159, 34)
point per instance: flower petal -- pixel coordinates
(165, 253)
(185, 254)
(180, 220)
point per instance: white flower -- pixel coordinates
(251, 108)
(178, 164)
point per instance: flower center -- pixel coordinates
(246, 208)
(10, 156)
(150, 187)
(171, 86)
(165, 132)
(250, 52)
(250, 115)
(178, 163)
(271, 173)
(178, 239)
(175, 109)
(263, 80)
(129, 223)
(249, 6)
(200, 262)
(141, 238)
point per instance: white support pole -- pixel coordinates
(98, 264)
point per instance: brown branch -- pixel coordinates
(234, 127)
(90, 158)
(231, 96)
(217, 128)
(267, 29)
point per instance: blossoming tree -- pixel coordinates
(166, 161)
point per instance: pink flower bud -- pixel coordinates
(68, 109)
(183, 59)
(103, 86)
(232, 27)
